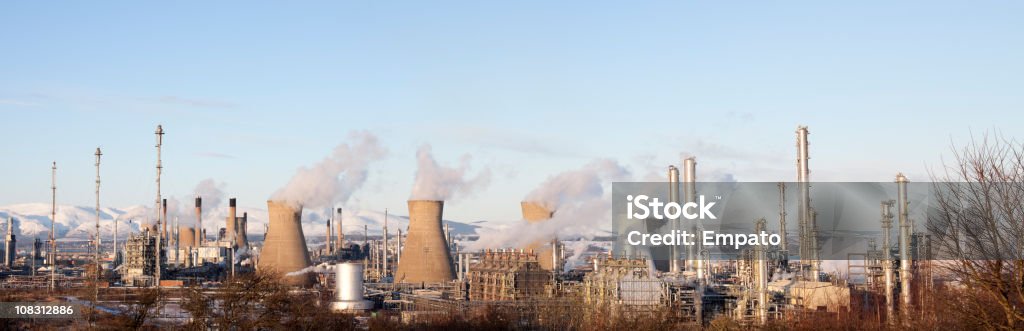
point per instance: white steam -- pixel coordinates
(321, 268)
(336, 177)
(580, 202)
(574, 186)
(212, 193)
(437, 182)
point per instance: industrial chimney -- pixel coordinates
(284, 249)
(199, 222)
(427, 258)
(535, 212)
(241, 231)
(232, 220)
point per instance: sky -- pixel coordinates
(249, 91)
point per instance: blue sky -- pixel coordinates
(249, 91)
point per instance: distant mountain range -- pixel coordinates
(78, 222)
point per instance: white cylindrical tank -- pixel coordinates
(348, 288)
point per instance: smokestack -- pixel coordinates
(232, 221)
(329, 247)
(241, 231)
(284, 250)
(535, 212)
(430, 261)
(906, 230)
(198, 240)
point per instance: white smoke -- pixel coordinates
(580, 202)
(584, 183)
(212, 193)
(321, 268)
(336, 177)
(576, 250)
(437, 182)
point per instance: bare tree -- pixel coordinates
(978, 226)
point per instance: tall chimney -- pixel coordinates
(329, 247)
(428, 260)
(232, 220)
(241, 231)
(535, 212)
(199, 222)
(284, 250)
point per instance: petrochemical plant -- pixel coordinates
(425, 271)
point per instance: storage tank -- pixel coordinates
(348, 288)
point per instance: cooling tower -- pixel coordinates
(535, 212)
(186, 236)
(426, 258)
(284, 249)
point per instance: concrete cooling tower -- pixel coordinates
(284, 249)
(426, 258)
(535, 212)
(186, 236)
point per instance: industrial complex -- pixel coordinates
(425, 273)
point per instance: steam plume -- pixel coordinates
(437, 182)
(336, 177)
(577, 197)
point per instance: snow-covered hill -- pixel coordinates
(33, 220)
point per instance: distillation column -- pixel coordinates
(673, 196)
(890, 302)
(906, 229)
